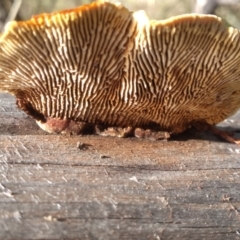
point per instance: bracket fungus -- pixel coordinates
(103, 68)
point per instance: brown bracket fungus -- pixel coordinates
(104, 68)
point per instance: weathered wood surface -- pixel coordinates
(187, 188)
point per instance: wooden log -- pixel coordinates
(91, 187)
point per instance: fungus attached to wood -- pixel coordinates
(104, 68)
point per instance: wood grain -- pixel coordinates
(91, 187)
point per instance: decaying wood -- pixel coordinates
(50, 188)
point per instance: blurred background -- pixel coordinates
(229, 10)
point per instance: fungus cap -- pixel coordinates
(102, 64)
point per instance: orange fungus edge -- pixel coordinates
(41, 18)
